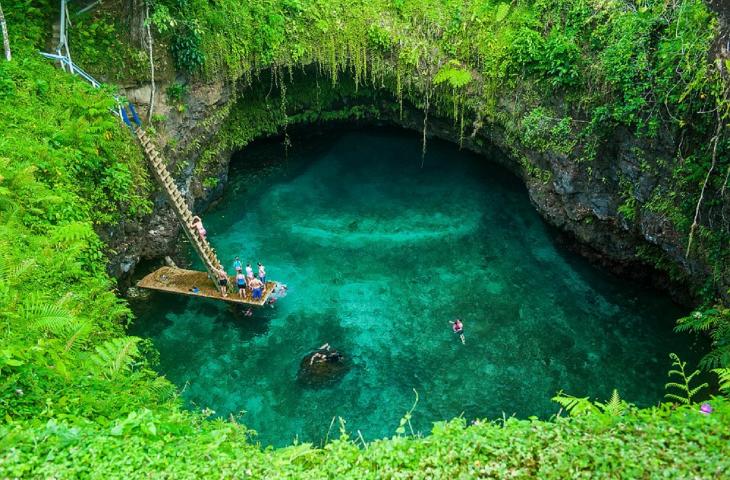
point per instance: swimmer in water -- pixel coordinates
(325, 354)
(458, 329)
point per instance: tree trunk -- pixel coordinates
(6, 40)
(152, 61)
(136, 18)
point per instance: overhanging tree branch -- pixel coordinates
(715, 141)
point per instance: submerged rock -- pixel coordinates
(322, 367)
(138, 293)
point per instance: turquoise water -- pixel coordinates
(379, 254)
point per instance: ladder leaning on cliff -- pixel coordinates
(172, 279)
(174, 196)
(169, 279)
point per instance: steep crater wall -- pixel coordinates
(586, 202)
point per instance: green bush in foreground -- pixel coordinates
(664, 442)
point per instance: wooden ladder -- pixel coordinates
(180, 207)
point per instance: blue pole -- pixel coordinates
(134, 114)
(126, 118)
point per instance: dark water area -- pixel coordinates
(378, 255)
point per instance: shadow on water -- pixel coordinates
(248, 322)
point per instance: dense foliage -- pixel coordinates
(649, 443)
(80, 399)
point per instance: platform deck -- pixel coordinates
(181, 281)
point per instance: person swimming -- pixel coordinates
(458, 329)
(325, 354)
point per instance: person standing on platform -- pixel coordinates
(262, 273)
(256, 288)
(223, 282)
(237, 265)
(241, 284)
(249, 273)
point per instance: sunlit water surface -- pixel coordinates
(379, 254)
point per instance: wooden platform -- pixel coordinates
(181, 281)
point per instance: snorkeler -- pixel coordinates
(325, 354)
(317, 357)
(458, 329)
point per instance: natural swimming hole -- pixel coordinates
(379, 254)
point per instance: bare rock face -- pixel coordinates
(583, 202)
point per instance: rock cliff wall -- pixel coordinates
(587, 203)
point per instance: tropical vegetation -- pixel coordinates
(81, 399)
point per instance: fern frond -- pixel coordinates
(115, 355)
(575, 406)
(49, 317)
(713, 359)
(672, 396)
(162, 389)
(717, 357)
(685, 393)
(694, 391)
(724, 378)
(76, 336)
(615, 406)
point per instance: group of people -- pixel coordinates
(255, 282)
